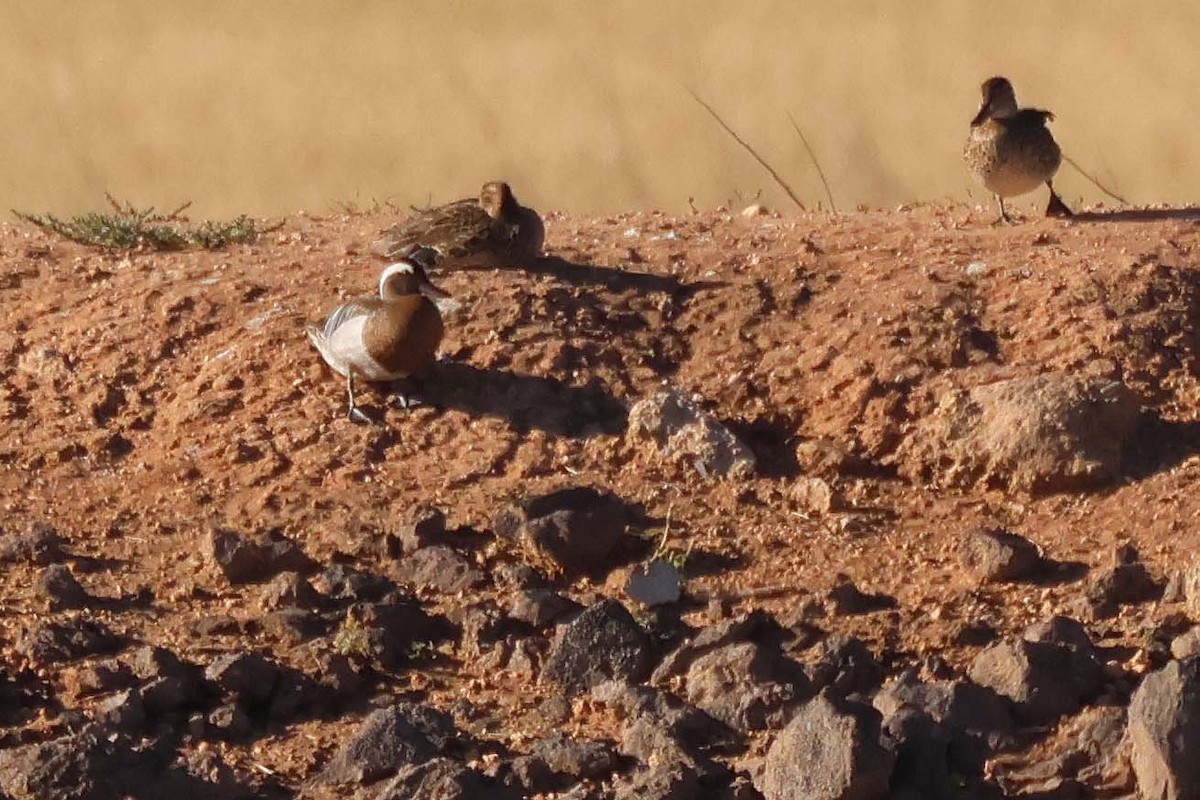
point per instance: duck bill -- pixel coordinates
(432, 292)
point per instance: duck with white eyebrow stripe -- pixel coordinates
(389, 337)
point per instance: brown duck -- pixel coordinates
(491, 231)
(385, 338)
(1010, 150)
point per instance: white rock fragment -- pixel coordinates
(684, 431)
(654, 583)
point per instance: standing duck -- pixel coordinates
(385, 338)
(1010, 149)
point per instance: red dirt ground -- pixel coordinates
(150, 397)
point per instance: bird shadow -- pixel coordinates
(611, 278)
(527, 402)
(1138, 215)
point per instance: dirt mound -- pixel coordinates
(149, 401)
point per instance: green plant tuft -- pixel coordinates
(127, 227)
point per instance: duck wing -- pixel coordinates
(453, 229)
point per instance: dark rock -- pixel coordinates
(386, 632)
(540, 607)
(580, 760)
(601, 643)
(340, 582)
(294, 624)
(230, 721)
(1164, 729)
(662, 729)
(288, 590)
(534, 775)
(294, 695)
(747, 686)
(247, 560)
(997, 555)
(956, 705)
(671, 781)
(150, 662)
(1044, 679)
(57, 584)
(482, 625)
(338, 675)
(38, 544)
(390, 738)
(443, 779)
(831, 749)
(975, 633)
(846, 665)
(757, 626)
(123, 711)
(248, 678)
(516, 576)
(438, 568)
(571, 530)
(847, 599)
(922, 750)
(168, 694)
(93, 764)
(1066, 769)
(55, 642)
(1121, 585)
(216, 625)
(422, 528)
(1061, 630)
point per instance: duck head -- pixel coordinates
(496, 198)
(999, 101)
(407, 277)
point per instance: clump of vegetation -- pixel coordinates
(127, 227)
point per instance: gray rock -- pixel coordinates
(244, 559)
(1122, 585)
(38, 544)
(88, 765)
(997, 555)
(438, 568)
(571, 530)
(1044, 680)
(1164, 729)
(747, 686)
(421, 527)
(685, 432)
(340, 582)
(604, 642)
(672, 781)
(755, 626)
(402, 735)
(846, 665)
(248, 678)
(581, 760)
(56, 642)
(653, 583)
(540, 607)
(385, 632)
(831, 750)
(288, 590)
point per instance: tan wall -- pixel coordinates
(270, 107)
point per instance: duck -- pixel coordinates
(1010, 150)
(493, 230)
(390, 337)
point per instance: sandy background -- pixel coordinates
(273, 107)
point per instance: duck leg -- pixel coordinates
(354, 412)
(402, 393)
(1004, 217)
(1056, 207)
